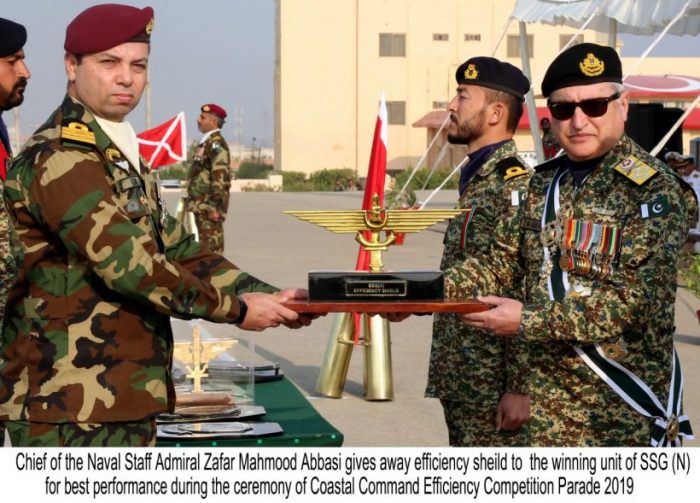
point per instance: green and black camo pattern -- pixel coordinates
(630, 311)
(208, 187)
(101, 267)
(467, 365)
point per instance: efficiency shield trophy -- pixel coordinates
(376, 291)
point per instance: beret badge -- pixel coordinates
(471, 72)
(591, 66)
(149, 26)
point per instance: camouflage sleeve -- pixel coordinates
(97, 230)
(220, 180)
(498, 271)
(182, 248)
(630, 297)
(495, 273)
(7, 263)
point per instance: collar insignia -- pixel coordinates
(113, 154)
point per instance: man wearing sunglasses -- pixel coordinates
(598, 245)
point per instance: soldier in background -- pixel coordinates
(14, 75)
(684, 166)
(481, 380)
(550, 145)
(209, 180)
(599, 242)
(87, 343)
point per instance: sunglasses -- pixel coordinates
(595, 107)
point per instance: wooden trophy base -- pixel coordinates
(395, 306)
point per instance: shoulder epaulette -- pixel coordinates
(636, 170)
(76, 132)
(511, 167)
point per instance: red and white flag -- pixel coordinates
(376, 175)
(164, 144)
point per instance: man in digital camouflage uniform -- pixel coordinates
(209, 180)
(87, 343)
(481, 380)
(13, 81)
(599, 241)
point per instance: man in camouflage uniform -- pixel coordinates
(87, 345)
(13, 81)
(481, 380)
(209, 181)
(599, 241)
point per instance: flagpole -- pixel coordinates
(437, 135)
(432, 194)
(148, 104)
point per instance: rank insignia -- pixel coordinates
(471, 72)
(635, 169)
(514, 172)
(591, 66)
(77, 132)
(657, 208)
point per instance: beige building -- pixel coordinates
(335, 57)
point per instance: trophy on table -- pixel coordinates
(376, 291)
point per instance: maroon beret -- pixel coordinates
(214, 109)
(105, 26)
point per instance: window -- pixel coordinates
(514, 46)
(396, 112)
(564, 39)
(392, 45)
(439, 105)
(441, 37)
(472, 37)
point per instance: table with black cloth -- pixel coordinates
(284, 404)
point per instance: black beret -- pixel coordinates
(494, 74)
(581, 65)
(105, 26)
(13, 36)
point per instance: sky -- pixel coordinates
(206, 51)
(202, 51)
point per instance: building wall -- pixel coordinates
(329, 74)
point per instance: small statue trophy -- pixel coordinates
(197, 354)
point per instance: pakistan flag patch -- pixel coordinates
(657, 208)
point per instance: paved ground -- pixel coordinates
(281, 249)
